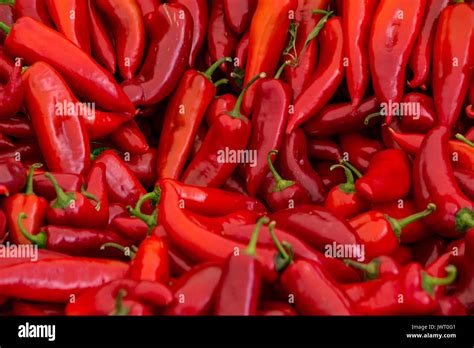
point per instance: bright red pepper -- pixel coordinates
(36, 9)
(11, 95)
(70, 18)
(429, 250)
(28, 309)
(359, 150)
(422, 122)
(434, 182)
(81, 72)
(68, 182)
(454, 41)
(218, 106)
(12, 176)
(96, 186)
(221, 223)
(275, 308)
(324, 149)
(129, 138)
(6, 65)
(238, 13)
(380, 267)
(465, 178)
(450, 306)
(391, 41)
(422, 53)
(357, 292)
(144, 167)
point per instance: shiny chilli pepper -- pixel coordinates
(377, 268)
(238, 13)
(36, 9)
(12, 176)
(11, 95)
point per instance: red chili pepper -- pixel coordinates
(429, 250)
(71, 276)
(28, 151)
(219, 224)
(330, 178)
(470, 108)
(218, 106)
(269, 117)
(386, 167)
(275, 308)
(465, 178)
(170, 27)
(453, 42)
(268, 32)
(70, 18)
(129, 32)
(279, 193)
(102, 48)
(81, 72)
(336, 119)
(465, 292)
(12, 176)
(6, 65)
(239, 288)
(324, 149)
(68, 182)
(239, 14)
(194, 292)
(36, 9)
(220, 152)
(343, 201)
(3, 226)
(144, 167)
(129, 138)
(295, 165)
(61, 135)
(422, 122)
(100, 123)
(391, 41)
(17, 126)
(327, 77)
(11, 95)
(403, 255)
(240, 60)
(357, 292)
(380, 234)
(29, 203)
(198, 139)
(20, 308)
(357, 19)
(315, 226)
(421, 55)
(434, 181)
(96, 186)
(450, 306)
(184, 114)
(380, 267)
(5, 142)
(359, 150)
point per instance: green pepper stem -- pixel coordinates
(281, 69)
(281, 184)
(429, 282)
(208, 73)
(281, 250)
(351, 167)
(92, 197)
(97, 152)
(315, 32)
(221, 82)
(462, 138)
(119, 247)
(62, 199)
(29, 181)
(398, 225)
(120, 310)
(235, 113)
(5, 28)
(150, 220)
(252, 247)
(7, 2)
(348, 186)
(371, 269)
(371, 116)
(464, 219)
(38, 239)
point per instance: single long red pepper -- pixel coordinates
(421, 55)
(434, 181)
(359, 149)
(70, 18)
(12, 176)
(295, 165)
(267, 40)
(81, 72)
(327, 77)
(129, 138)
(184, 114)
(454, 42)
(11, 95)
(129, 32)
(62, 136)
(170, 26)
(357, 20)
(391, 40)
(239, 288)
(222, 148)
(29, 203)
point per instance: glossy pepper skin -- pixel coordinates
(219, 105)
(12, 176)
(96, 185)
(239, 14)
(453, 40)
(68, 182)
(268, 32)
(161, 70)
(423, 122)
(391, 41)
(294, 165)
(36, 9)
(359, 149)
(11, 95)
(129, 138)
(81, 72)
(184, 114)
(465, 178)
(377, 268)
(275, 308)
(386, 168)
(421, 55)
(63, 139)
(144, 167)
(17, 126)
(75, 28)
(357, 20)
(239, 289)
(434, 181)
(327, 77)
(324, 149)
(129, 32)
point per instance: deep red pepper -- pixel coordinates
(18, 126)
(12, 176)
(240, 60)
(198, 139)
(29, 203)
(27, 151)
(102, 48)
(6, 65)
(184, 114)
(131, 228)
(324, 149)
(70, 18)
(129, 138)
(422, 122)
(100, 123)
(219, 154)
(127, 25)
(148, 6)
(359, 150)
(3, 226)
(421, 55)
(68, 182)
(6, 16)
(470, 108)
(170, 26)
(391, 41)
(450, 306)
(340, 118)
(11, 95)
(116, 210)
(275, 308)
(434, 181)
(20, 308)
(97, 187)
(235, 184)
(357, 20)
(194, 292)
(5, 142)
(454, 41)
(144, 167)
(267, 39)
(386, 167)
(74, 275)
(380, 267)
(36, 9)
(81, 72)
(359, 291)
(221, 223)
(380, 233)
(61, 135)
(330, 178)
(327, 77)
(343, 201)
(403, 255)
(239, 14)
(218, 106)
(294, 164)
(465, 178)
(429, 249)
(239, 288)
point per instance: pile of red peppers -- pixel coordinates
(236, 157)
